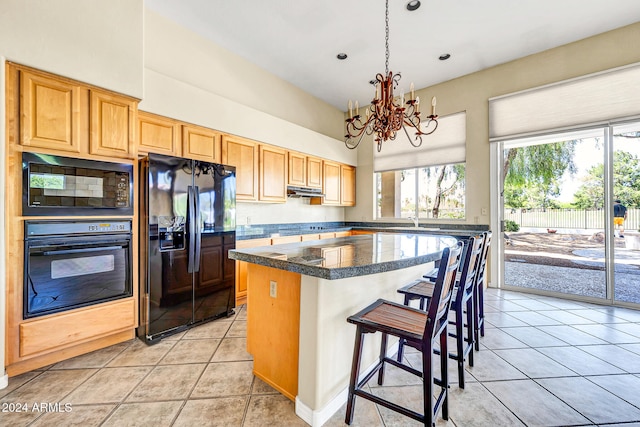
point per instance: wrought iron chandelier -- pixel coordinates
(386, 115)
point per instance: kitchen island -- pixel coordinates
(299, 297)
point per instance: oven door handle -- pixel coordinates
(76, 251)
(196, 261)
(191, 209)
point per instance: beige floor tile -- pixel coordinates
(50, 386)
(156, 414)
(476, 407)
(241, 313)
(17, 381)
(141, 354)
(272, 410)
(238, 329)
(365, 414)
(170, 382)
(221, 412)
(110, 385)
(79, 415)
(215, 329)
(191, 351)
(260, 387)
(95, 359)
(232, 349)
(18, 418)
(225, 379)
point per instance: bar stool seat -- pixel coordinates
(462, 305)
(419, 329)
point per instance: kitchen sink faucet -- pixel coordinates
(415, 220)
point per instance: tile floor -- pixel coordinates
(543, 362)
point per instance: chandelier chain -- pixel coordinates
(386, 39)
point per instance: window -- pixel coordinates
(427, 193)
(427, 182)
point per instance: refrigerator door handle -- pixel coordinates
(192, 227)
(196, 198)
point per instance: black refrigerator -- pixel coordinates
(187, 227)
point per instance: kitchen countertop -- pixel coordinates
(352, 256)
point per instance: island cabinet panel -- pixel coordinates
(52, 332)
(273, 327)
(243, 154)
(157, 134)
(347, 185)
(200, 143)
(50, 113)
(314, 172)
(273, 174)
(297, 169)
(241, 268)
(112, 121)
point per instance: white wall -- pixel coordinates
(94, 41)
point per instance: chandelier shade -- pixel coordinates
(387, 115)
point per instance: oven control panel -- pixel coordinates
(74, 227)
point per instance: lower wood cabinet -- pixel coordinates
(57, 331)
(241, 268)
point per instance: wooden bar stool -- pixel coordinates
(420, 330)
(462, 304)
(478, 291)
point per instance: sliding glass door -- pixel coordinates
(557, 196)
(626, 226)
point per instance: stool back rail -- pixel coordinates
(478, 291)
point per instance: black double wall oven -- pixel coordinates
(73, 263)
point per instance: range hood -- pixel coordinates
(303, 192)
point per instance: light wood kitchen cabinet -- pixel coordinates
(243, 154)
(50, 113)
(286, 239)
(347, 185)
(157, 134)
(330, 185)
(273, 174)
(343, 233)
(297, 174)
(314, 172)
(201, 143)
(112, 120)
(241, 267)
(60, 114)
(309, 237)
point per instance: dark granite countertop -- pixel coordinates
(273, 230)
(352, 256)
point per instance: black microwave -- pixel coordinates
(64, 186)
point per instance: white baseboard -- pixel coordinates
(316, 418)
(4, 381)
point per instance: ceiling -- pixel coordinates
(298, 40)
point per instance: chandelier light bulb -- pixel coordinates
(433, 106)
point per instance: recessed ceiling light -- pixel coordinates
(341, 56)
(444, 57)
(413, 5)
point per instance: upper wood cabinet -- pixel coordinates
(243, 154)
(347, 185)
(112, 122)
(314, 172)
(273, 174)
(331, 183)
(50, 113)
(60, 114)
(157, 134)
(200, 143)
(297, 169)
